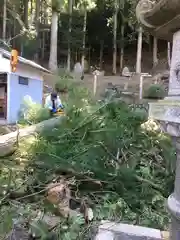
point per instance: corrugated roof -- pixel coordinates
(24, 61)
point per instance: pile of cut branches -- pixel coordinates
(122, 170)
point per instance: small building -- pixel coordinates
(27, 80)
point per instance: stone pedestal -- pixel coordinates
(167, 112)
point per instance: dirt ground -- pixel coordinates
(102, 83)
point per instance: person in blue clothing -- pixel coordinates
(53, 102)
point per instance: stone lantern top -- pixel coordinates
(160, 17)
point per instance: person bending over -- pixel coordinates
(53, 102)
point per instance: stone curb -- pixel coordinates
(119, 231)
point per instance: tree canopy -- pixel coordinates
(27, 27)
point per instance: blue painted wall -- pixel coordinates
(17, 92)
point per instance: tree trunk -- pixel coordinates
(53, 44)
(43, 33)
(139, 51)
(14, 30)
(31, 6)
(26, 22)
(169, 53)
(26, 2)
(101, 54)
(4, 20)
(37, 22)
(122, 48)
(44, 36)
(84, 38)
(115, 37)
(76, 55)
(9, 142)
(89, 55)
(70, 3)
(155, 50)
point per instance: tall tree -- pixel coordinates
(122, 48)
(84, 36)
(25, 17)
(4, 20)
(37, 23)
(54, 34)
(70, 6)
(84, 6)
(115, 36)
(122, 6)
(101, 53)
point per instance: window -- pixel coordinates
(23, 80)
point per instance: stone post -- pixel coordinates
(95, 83)
(139, 50)
(167, 112)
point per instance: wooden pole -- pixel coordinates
(141, 87)
(4, 20)
(139, 51)
(95, 84)
(155, 49)
(169, 53)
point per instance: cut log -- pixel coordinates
(8, 142)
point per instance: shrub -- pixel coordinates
(63, 82)
(32, 112)
(155, 91)
(74, 89)
(140, 113)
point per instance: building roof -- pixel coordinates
(160, 17)
(7, 54)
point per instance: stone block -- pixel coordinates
(167, 111)
(119, 231)
(173, 130)
(104, 235)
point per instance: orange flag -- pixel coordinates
(14, 60)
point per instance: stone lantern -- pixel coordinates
(162, 19)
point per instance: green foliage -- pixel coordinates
(72, 230)
(39, 229)
(140, 113)
(74, 89)
(29, 46)
(105, 141)
(56, 5)
(33, 113)
(155, 91)
(89, 142)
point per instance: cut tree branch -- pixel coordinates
(8, 142)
